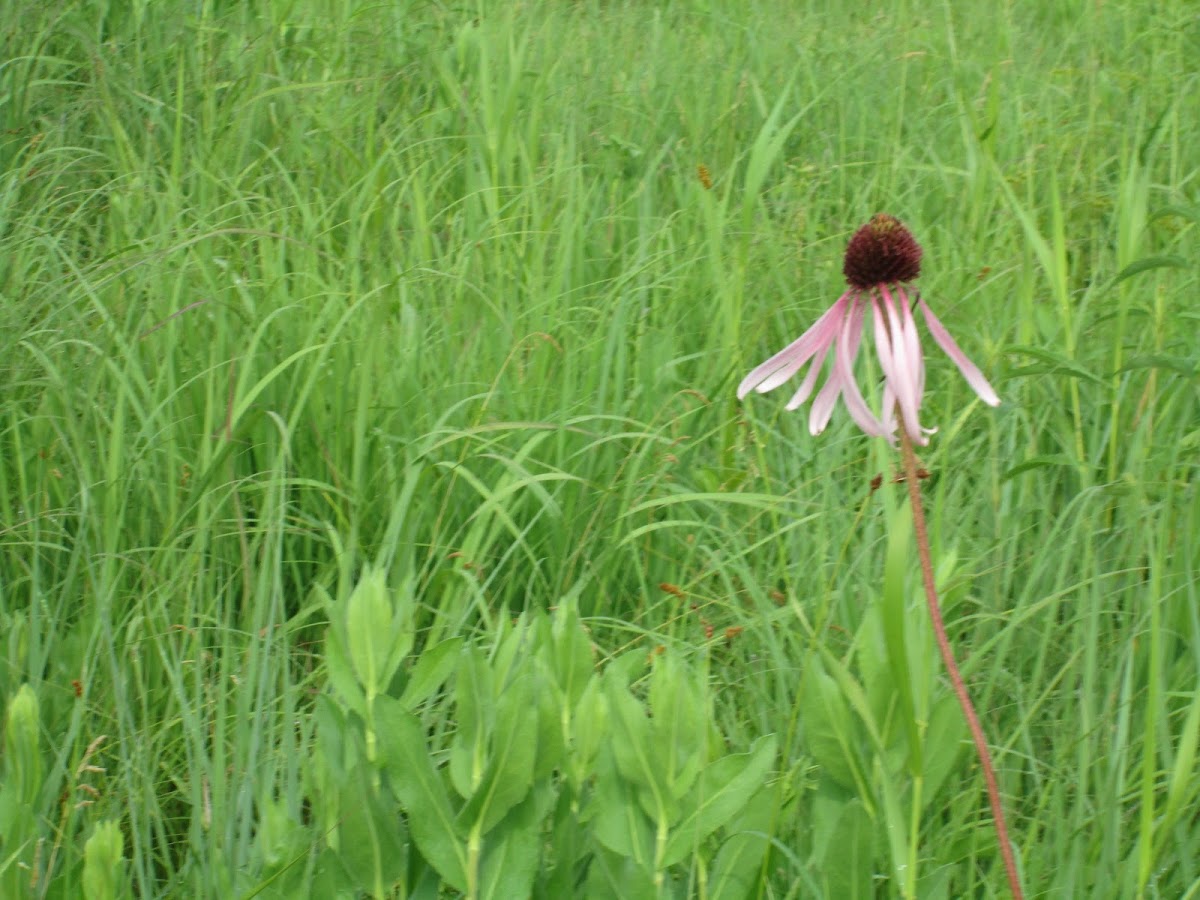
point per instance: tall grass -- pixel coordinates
(293, 289)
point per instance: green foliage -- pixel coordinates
(499, 796)
(367, 428)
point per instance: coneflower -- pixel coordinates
(881, 260)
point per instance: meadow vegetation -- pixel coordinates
(377, 517)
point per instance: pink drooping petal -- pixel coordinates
(969, 370)
(905, 375)
(916, 370)
(910, 332)
(847, 351)
(822, 408)
(912, 326)
(887, 362)
(788, 361)
(810, 381)
(883, 349)
(889, 411)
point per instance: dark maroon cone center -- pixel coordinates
(882, 252)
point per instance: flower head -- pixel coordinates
(881, 259)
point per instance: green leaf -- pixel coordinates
(104, 863)
(631, 736)
(722, 790)
(829, 729)
(475, 712)
(341, 674)
(1185, 366)
(591, 729)
(944, 744)
(847, 865)
(330, 878)
(895, 620)
(677, 725)
(551, 710)
(1038, 462)
(22, 756)
(1054, 364)
(511, 756)
(1150, 263)
(379, 633)
(615, 875)
(371, 838)
(738, 865)
(420, 790)
(431, 671)
(513, 852)
(571, 653)
(620, 824)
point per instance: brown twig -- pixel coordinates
(960, 689)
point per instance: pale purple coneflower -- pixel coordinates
(881, 259)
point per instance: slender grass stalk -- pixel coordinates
(956, 680)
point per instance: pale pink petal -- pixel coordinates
(788, 361)
(847, 350)
(810, 381)
(822, 408)
(969, 370)
(905, 376)
(883, 341)
(889, 411)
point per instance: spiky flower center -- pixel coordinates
(882, 252)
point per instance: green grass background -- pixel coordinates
(291, 287)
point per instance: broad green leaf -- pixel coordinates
(511, 756)
(847, 865)
(420, 789)
(571, 653)
(631, 736)
(572, 842)
(738, 866)
(591, 729)
(677, 725)
(474, 696)
(944, 744)
(639, 758)
(618, 819)
(330, 878)
(550, 741)
(279, 836)
(341, 672)
(433, 667)
(829, 728)
(721, 791)
(513, 650)
(104, 863)
(371, 837)
(513, 852)
(613, 875)
(379, 631)
(895, 631)
(22, 756)
(871, 657)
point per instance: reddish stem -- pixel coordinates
(960, 689)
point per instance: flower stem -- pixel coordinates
(960, 689)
